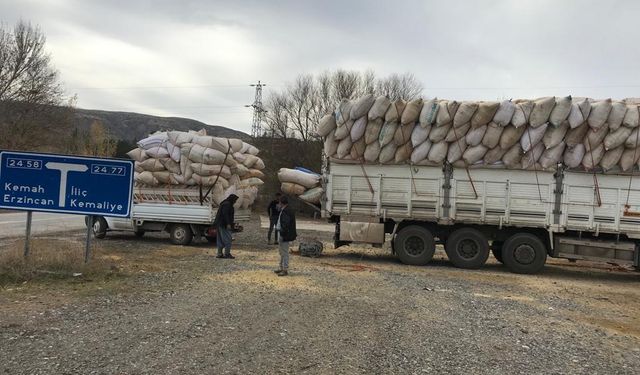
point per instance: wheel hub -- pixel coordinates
(414, 246)
(468, 249)
(524, 254)
(179, 233)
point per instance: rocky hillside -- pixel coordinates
(128, 126)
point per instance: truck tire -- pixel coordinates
(524, 253)
(414, 245)
(99, 227)
(467, 248)
(139, 232)
(496, 249)
(180, 234)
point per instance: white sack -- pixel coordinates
(464, 113)
(541, 110)
(552, 156)
(592, 158)
(616, 116)
(438, 152)
(344, 147)
(387, 133)
(326, 125)
(388, 153)
(474, 154)
(379, 108)
(403, 134)
(513, 157)
(312, 195)
(631, 117)
(372, 152)
(456, 150)
(421, 152)
(616, 138)
(522, 113)
(555, 135)
(560, 111)
(573, 155)
(429, 112)
(531, 157)
(611, 158)
(494, 155)
(492, 136)
(576, 135)
(629, 158)
(484, 114)
(373, 131)
(394, 113)
(411, 112)
(505, 113)
(475, 135)
(599, 113)
(358, 129)
(532, 136)
(439, 133)
(295, 176)
(419, 135)
(330, 144)
(511, 135)
(362, 106)
(456, 133)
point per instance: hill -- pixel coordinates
(129, 126)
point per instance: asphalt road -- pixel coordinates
(14, 224)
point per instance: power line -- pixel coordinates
(156, 87)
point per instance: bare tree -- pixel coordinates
(400, 86)
(299, 107)
(30, 92)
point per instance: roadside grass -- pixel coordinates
(51, 259)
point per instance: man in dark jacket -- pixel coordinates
(273, 211)
(224, 224)
(287, 227)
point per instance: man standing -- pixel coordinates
(287, 227)
(224, 224)
(273, 211)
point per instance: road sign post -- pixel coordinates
(27, 234)
(87, 247)
(65, 184)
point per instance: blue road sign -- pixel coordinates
(65, 184)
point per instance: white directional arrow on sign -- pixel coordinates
(65, 168)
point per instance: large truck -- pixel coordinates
(522, 216)
(185, 212)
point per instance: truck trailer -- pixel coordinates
(185, 212)
(521, 216)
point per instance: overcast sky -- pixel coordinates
(196, 58)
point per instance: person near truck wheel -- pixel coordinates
(223, 223)
(273, 210)
(287, 226)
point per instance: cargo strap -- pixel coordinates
(202, 198)
(595, 176)
(466, 166)
(635, 150)
(535, 162)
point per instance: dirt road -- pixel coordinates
(178, 310)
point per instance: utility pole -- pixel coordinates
(258, 110)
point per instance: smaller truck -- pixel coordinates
(185, 212)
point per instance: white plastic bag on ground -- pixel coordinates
(421, 152)
(616, 138)
(484, 114)
(511, 135)
(532, 136)
(429, 112)
(474, 154)
(372, 152)
(373, 131)
(464, 113)
(379, 108)
(522, 113)
(362, 106)
(419, 135)
(438, 152)
(457, 133)
(555, 135)
(492, 136)
(411, 112)
(611, 158)
(475, 135)
(599, 113)
(305, 179)
(387, 133)
(541, 110)
(505, 113)
(326, 125)
(573, 155)
(616, 116)
(560, 111)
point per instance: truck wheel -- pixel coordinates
(467, 248)
(139, 233)
(496, 249)
(180, 234)
(99, 227)
(414, 245)
(524, 253)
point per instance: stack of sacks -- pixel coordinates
(302, 183)
(196, 159)
(538, 134)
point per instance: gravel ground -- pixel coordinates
(354, 310)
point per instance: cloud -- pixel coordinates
(196, 58)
